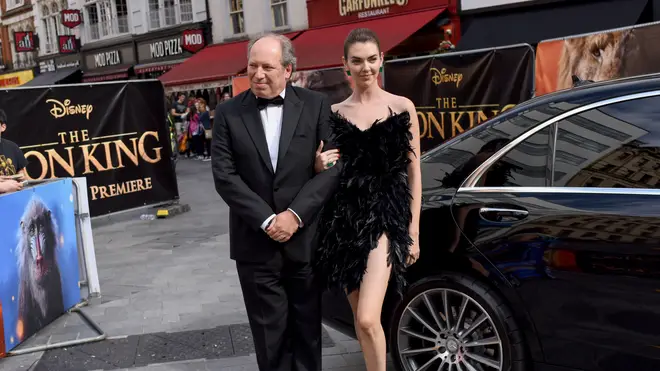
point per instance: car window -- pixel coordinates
(614, 146)
(528, 164)
(447, 166)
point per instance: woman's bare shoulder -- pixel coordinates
(400, 103)
(337, 107)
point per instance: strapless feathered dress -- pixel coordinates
(373, 198)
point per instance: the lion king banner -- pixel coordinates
(600, 56)
(114, 134)
(454, 92)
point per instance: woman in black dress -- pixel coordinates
(369, 230)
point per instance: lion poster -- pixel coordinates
(597, 57)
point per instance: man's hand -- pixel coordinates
(7, 186)
(283, 226)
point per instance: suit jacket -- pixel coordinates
(245, 179)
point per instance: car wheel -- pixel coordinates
(453, 322)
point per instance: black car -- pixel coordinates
(540, 241)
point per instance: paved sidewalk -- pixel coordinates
(171, 275)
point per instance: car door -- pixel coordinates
(580, 241)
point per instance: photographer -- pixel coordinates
(12, 159)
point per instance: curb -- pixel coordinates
(159, 211)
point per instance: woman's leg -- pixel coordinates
(353, 300)
(370, 306)
(200, 145)
(207, 142)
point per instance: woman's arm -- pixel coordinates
(414, 170)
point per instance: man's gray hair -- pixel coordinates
(288, 53)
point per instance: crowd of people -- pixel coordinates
(193, 119)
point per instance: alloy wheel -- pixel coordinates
(446, 330)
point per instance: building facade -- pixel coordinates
(19, 42)
(167, 32)
(124, 39)
(239, 19)
(58, 27)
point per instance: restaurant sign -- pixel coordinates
(71, 18)
(177, 46)
(368, 8)
(67, 44)
(14, 79)
(331, 12)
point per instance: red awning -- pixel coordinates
(215, 62)
(323, 47)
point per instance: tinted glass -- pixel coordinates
(616, 146)
(526, 165)
(447, 166)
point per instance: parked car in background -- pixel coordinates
(540, 241)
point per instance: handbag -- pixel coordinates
(208, 133)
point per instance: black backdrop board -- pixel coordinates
(454, 92)
(114, 134)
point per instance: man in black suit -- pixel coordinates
(263, 152)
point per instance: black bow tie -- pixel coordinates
(263, 102)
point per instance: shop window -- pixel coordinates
(11, 4)
(105, 18)
(185, 11)
(165, 13)
(280, 13)
(236, 15)
(51, 26)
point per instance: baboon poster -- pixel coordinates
(39, 271)
(601, 56)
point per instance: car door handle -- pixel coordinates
(500, 215)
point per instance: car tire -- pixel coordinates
(478, 347)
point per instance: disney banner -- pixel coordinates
(454, 92)
(114, 134)
(600, 56)
(39, 271)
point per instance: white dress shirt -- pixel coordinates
(271, 119)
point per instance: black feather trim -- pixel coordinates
(373, 198)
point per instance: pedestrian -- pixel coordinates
(263, 152)
(12, 159)
(205, 120)
(179, 111)
(369, 230)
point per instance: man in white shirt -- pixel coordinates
(263, 151)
